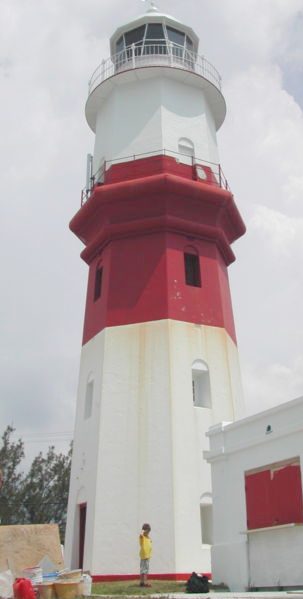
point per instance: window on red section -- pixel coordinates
(98, 283)
(274, 495)
(192, 270)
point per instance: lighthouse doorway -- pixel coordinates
(82, 524)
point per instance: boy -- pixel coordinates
(145, 554)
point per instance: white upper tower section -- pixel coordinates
(154, 93)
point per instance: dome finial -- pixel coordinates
(152, 6)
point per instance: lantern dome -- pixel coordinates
(154, 29)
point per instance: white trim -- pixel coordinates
(265, 529)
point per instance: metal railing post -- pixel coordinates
(216, 176)
(170, 46)
(174, 54)
(102, 70)
(220, 176)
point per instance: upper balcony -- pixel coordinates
(151, 46)
(155, 53)
(142, 59)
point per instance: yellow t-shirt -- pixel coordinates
(145, 547)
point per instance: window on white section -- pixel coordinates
(206, 515)
(186, 147)
(88, 406)
(201, 385)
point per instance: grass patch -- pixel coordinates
(132, 587)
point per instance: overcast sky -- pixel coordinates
(48, 50)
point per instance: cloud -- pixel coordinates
(273, 384)
(48, 51)
(281, 235)
(266, 125)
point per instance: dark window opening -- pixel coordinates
(192, 270)
(82, 525)
(98, 283)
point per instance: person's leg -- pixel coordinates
(144, 568)
(142, 572)
(146, 574)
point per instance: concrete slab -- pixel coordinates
(212, 595)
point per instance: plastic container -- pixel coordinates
(6, 584)
(70, 575)
(34, 574)
(51, 577)
(67, 589)
(86, 585)
(47, 590)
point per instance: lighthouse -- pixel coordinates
(159, 361)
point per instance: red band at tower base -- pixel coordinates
(121, 577)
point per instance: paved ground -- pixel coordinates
(213, 595)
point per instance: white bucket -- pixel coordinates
(86, 585)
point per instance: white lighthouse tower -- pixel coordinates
(159, 361)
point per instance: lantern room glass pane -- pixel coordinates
(120, 44)
(154, 32)
(134, 36)
(155, 42)
(175, 36)
(189, 43)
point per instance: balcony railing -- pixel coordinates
(153, 54)
(202, 170)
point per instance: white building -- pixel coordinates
(159, 361)
(256, 468)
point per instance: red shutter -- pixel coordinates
(274, 496)
(257, 487)
(286, 493)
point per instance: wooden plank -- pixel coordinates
(24, 546)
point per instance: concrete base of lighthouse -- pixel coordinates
(138, 447)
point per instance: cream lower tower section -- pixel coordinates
(159, 362)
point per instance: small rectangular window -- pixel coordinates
(88, 406)
(192, 270)
(98, 283)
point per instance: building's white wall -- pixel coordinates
(238, 559)
(147, 439)
(186, 114)
(282, 549)
(151, 115)
(129, 122)
(85, 453)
